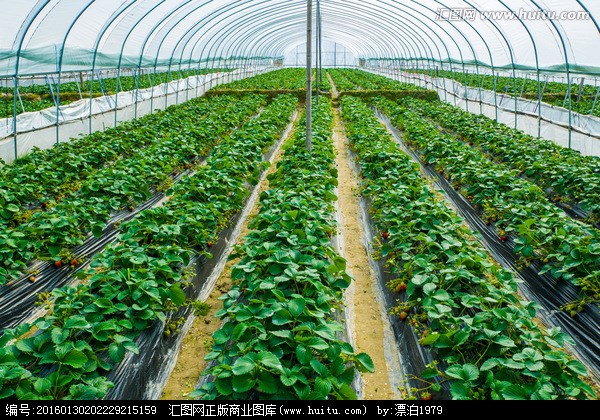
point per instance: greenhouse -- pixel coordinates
(299, 200)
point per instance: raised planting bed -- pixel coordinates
(280, 338)
(520, 210)
(133, 285)
(464, 308)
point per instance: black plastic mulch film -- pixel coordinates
(143, 375)
(544, 289)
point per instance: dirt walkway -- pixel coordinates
(198, 340)
(367, 324)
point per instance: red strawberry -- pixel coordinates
(58, 264)
(210, 244)
(385, 234)
(401, 287)
(426, 396)
(503, 238)
(403, 315)
(74, 263)
(32, 279)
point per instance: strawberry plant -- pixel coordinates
(90, 327)
(116, 186)
(565, 175)
(465, 308)
(540, 230)
(279, 340)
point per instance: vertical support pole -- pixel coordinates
(309, 74)
(335, 54)
(14, 121)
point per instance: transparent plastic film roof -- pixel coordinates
(49, 36)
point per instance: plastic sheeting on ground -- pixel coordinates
(80, 118)
(553, 124)
(547, 291)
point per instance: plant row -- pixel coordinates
(135, 281)
(568, 249)
(554, 93)
(567, 176)
(354, 79)
(280, 339)
(464, 307)
(284, 79)
(38, 97)
(52, 233)
(44, 177)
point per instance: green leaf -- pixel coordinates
(288, 380)
(103, 303)
(131, 346)
(54, 250)
(42, 385)
(243, 383)
(177, 295)
(267, 383)
(430, 339)
(364, 363)
(269, 360)
(303, 354)
(460, 391)
(296, 307)
(515, 392)
(75, 358)
(347, 392)
(466, 372)
(577, 367)
(224, 386)
(319, 367)
(504, 341)
(282, 333)
(220, 337)
(116, 352)
(12, 208)
(58, 335)
(243, 365)
(322, 386)
(429, 373)
(24, 345)
(76, 321)
(282, 317)
(512, 364)
(489, 364)
(238, 331)
(318, 343)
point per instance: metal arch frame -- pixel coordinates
(237, 28)
(197, 41)
(146, 14)
(62, 51)
(512, 59)
(476, 59)
(537, 68)
(107, 25)
(244, 45)
(266, 39)
(452, 26)
(396, 6)
(412, 9)
(16, 75)
(422, 45)
(568, 68)
(143, 47)
(277, 47)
